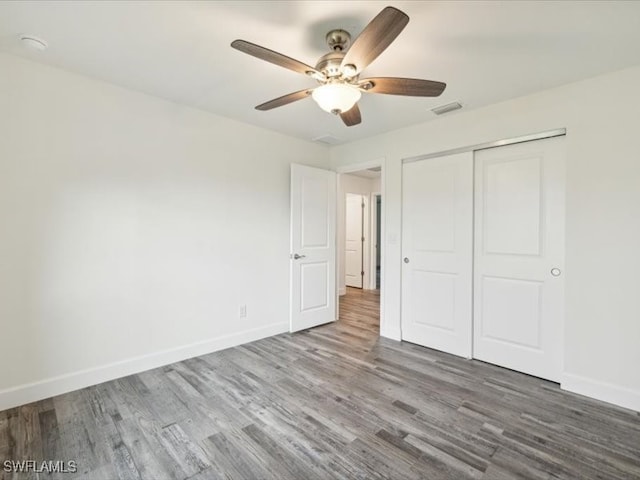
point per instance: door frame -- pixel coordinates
(355, 167)
(373, 230)
(558, 132)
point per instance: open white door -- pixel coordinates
(519, 257)
(313, 247)
(437, 245)
(354, 241)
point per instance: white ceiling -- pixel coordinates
(178, 50)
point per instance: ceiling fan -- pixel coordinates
(338, 72)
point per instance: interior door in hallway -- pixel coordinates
(519, 257)
(354, 240)
(313, 247)
(437, 216)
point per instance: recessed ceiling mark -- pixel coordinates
(33, 43)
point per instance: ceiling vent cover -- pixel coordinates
(327, 139)
(449, 107)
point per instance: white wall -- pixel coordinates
(362, 186)
(375, 185)
(131, 229)
(602, 118)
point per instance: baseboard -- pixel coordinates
(390, 332)
(607, 392)
(31, 392)
(342, 291)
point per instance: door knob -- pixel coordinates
(406, 259)
(298, 257)
(555, 272)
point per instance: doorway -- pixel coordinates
(359, 241)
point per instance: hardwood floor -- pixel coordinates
(331, 402)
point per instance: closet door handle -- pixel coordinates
(406, 260)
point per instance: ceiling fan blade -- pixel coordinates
(276, 58)
(351, 117)
(285, 99)
(411, 87)
(375, 38)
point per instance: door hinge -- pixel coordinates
(362, 274)
(362, 239)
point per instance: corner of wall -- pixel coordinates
(607, 392)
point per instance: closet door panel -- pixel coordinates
(519, 257)
(437, 209)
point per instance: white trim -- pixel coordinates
(607, 392)
(356, 167)
(392, 332)
(373, 210)
(342, 291)
(31, 392)
(496, 143)
(366, 245)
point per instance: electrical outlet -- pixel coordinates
(242, 311)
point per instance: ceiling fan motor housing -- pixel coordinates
(330, 63)
(338, 40)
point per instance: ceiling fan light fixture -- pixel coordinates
(349, 70)
(316, 75)
(336, 97)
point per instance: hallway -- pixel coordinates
(361, 308)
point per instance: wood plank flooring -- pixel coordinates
(331, 402)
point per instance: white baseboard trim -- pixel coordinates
(607, 392)
(31, 392)
(342, 291)
(390, 332)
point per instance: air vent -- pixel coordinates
(327, 139)
(449, 107)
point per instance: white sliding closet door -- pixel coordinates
(437, 228)
(519, 257)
